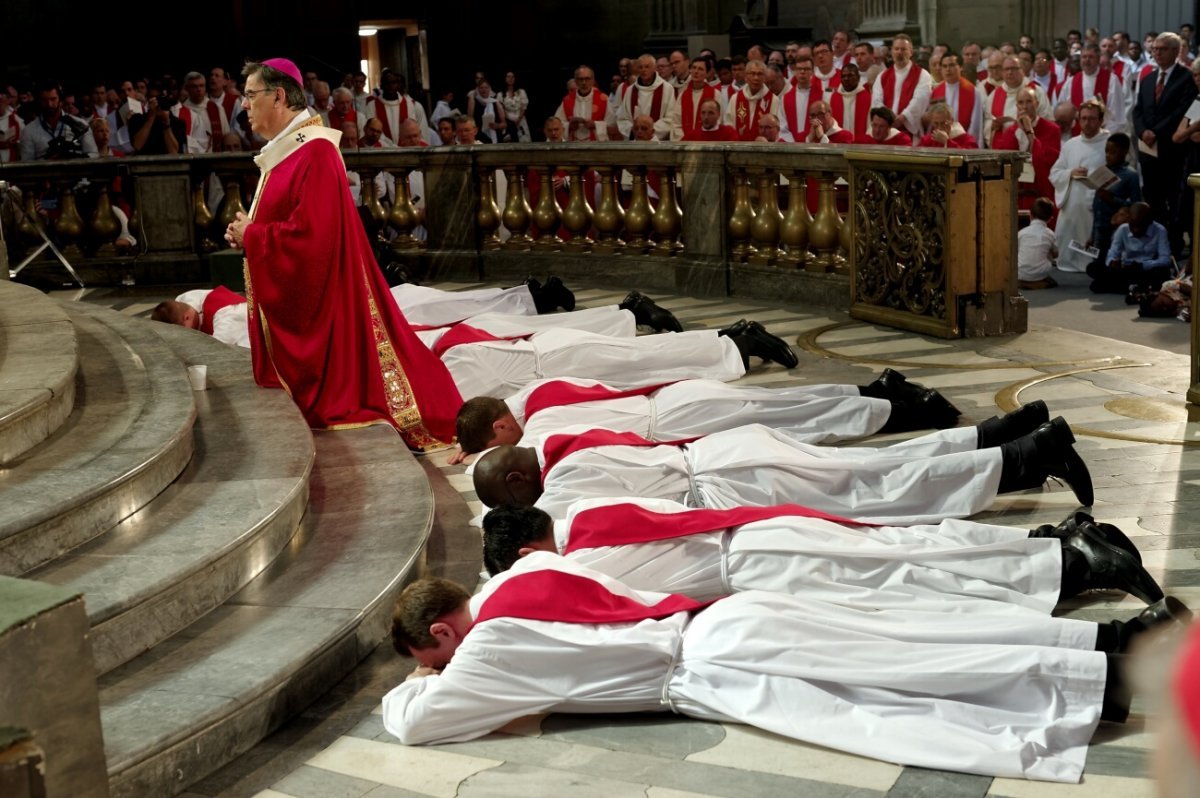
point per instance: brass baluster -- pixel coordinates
(203, 218)
(577, 216)
(765, 229)
(370, 200)
(794, 231)
(488, 217)
(105, 227)
(403, 215)
(69, 227)
(547, 214)
(31, 226)
(668, 218)
(638, 216)
(845, 240)
(610, 216)
(516, 211)
(823, 234)
(742, 217)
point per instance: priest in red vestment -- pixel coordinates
(1038, 137)
(710, 127)
(323, 325)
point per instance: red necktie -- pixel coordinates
(1158, 89)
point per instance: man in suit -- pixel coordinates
(1163, 98)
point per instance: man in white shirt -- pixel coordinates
(1036, 249)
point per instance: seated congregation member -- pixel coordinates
(905, 690)
(823, 128)
(710, 127)
(1036, 249)
(882, 132)
(1139, 258)
(949, 474)
(691, 408)
(1113, 202)
(1040, 139)
(945, 131)
(768, 129)
(954, 566)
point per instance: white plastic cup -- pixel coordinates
(198, 377)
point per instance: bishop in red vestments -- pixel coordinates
(323, 325)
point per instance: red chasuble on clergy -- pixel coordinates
(599, 109)
(746, 113)
(1099, 89)
(323, 324)
(553, 595)
(966, 100)
(218, 299)
(559, 447)
(625, 524)
(557, 393)
(214, 119)
(382, 115)
(797, 118)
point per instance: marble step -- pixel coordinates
(235, 506)
(199, 699)
(128, 437)
(38, 360)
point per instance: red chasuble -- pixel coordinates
(966, 100)
(624, 524)
(558, 393)
(887, 79)
(218, 299)
(689, 111)
(323, 325)
(860, 125)
(552, 595)
(1047, 142)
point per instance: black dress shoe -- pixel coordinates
(560, 294)
(1045, 452)
(1076, 519)
(758, 342)
(1022, 421)
(1092, 563)
(542, 301)
(648, 313)
(894, 386)
(1166, 613)
(931, 411)
(737, 328)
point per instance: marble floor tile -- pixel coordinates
(1091, 786)
(427, 771)
(752, 749)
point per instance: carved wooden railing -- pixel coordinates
(919, 239)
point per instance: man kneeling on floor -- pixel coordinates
(902, 685)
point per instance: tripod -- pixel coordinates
(7, 200)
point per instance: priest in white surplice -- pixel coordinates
(649, 95)
(1079, 155)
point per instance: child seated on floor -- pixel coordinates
(1035, 248)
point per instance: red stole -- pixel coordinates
(599, 107)
(887, 79)
(625, 524)
(214, 119)
(966, 100)
(745, 118)
(1100, 89)
(218, 299)
(559, 447)
(382, 115)
(722, 133)
(655, 102)
(558, 393)
(1118, 69)
(689, 109)
(862, 111)
(553, 595)
(1000, 98)
(798, 126)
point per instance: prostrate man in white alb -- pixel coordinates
(954, 566)
(937, 476)
(691, 408)
(890, 684)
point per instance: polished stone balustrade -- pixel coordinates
(868, 228)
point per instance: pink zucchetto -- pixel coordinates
(287, 67)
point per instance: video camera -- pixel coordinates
(61, 148)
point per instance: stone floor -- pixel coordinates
(1125, 403)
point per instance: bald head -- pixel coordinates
(508, 475)
(410, 133)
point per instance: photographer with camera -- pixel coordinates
(55, 135)
(153, 129)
